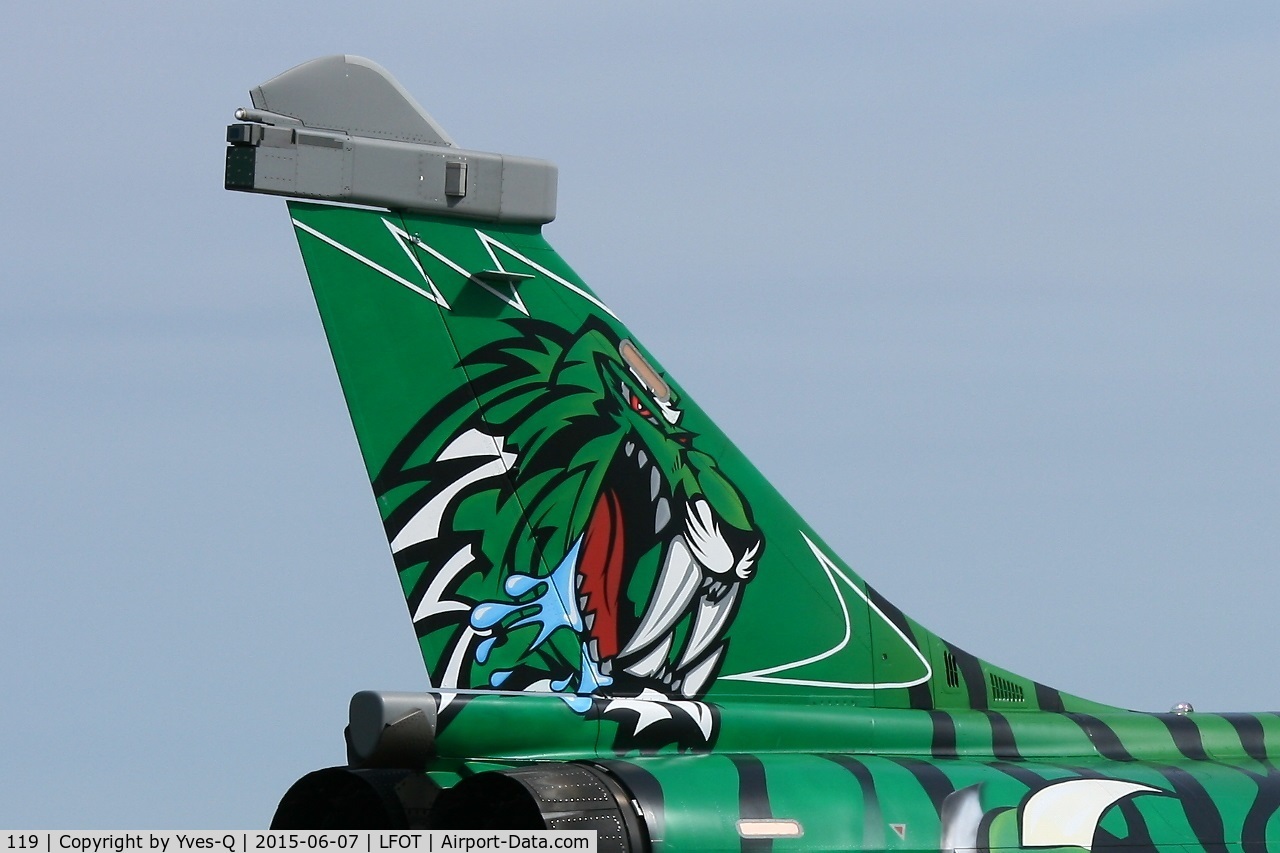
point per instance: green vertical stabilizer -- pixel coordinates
(565, 519)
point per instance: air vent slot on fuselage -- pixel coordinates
(1004, 690)
(953, 669)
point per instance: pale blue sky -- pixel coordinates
(988, 289)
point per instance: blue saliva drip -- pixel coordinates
(518, 585)
(562, 582)
(486, 614)
(590, 679)
(579, 704)
(554, 606)
(548, 610)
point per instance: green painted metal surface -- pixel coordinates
(562, 527)
(597, 574)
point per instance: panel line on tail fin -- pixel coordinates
(403, 238)
(768, 675)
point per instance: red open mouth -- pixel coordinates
(600, 570)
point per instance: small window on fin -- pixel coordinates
(644, 371)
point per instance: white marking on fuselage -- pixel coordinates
(961, 820)
(700, 713)
(650, 707)
(1067, 813)
(654, 707)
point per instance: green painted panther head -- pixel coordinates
(558, 529)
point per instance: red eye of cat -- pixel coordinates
(639, 407)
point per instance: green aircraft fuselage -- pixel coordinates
(624, 626)
(894, 779)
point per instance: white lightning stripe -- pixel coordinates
(513, 300)
(401, 236)
(436, 298)
(487, 241)
(766, 675)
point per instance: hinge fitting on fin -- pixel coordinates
(500, 277)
